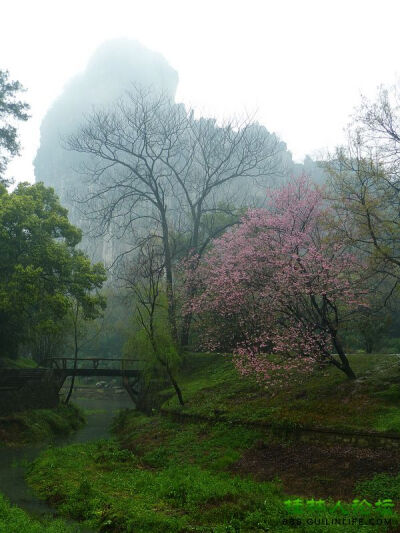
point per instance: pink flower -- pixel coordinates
(279, 282)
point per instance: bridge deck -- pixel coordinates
(95, 372)
(61, 368)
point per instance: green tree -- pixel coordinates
(109, 332)
(11, 110)
(40, 268)
(372, 327)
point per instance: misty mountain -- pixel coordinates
(116, 67)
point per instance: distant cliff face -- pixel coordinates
(116, 66)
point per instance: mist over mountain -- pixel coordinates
(116, 67)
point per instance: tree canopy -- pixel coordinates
(11, 110)
(40, 267)
(280, 286)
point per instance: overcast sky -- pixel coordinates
(302, 64)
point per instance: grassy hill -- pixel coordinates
(39, 425)
(212, 388)
(211, 466)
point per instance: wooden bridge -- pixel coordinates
(63, 367)
(68, 366)
(57, 369)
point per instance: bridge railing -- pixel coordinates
(62, 363)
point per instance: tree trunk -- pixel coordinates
(169, 282)
(187, 320)
(76, 349)
(71, 387)
(369, 346)
(345, 366)
(165, 364)
(176, 386)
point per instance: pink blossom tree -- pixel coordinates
(280, 286)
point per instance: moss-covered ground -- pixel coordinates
(15, 520)
(39, 425)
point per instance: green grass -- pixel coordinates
(165, 488)
(212, 388)
(39, 424)
(15, 520)
(17, 363)
(111, 488)
(162, 474)
(380, 486)
(160, 442)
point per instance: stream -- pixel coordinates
(99, 410)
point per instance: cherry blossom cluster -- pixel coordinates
(282, 280)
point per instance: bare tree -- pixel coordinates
(378, 123)
(364, 189)
(151, 160)
(365, 186)
(143, 275)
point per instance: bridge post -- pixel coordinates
(127, 385)
(129, 389)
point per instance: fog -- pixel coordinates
(114, 68)
(118, 66)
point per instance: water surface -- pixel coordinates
(100, 410)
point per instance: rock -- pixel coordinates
(361, 379)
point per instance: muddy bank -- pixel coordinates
(310, 470)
